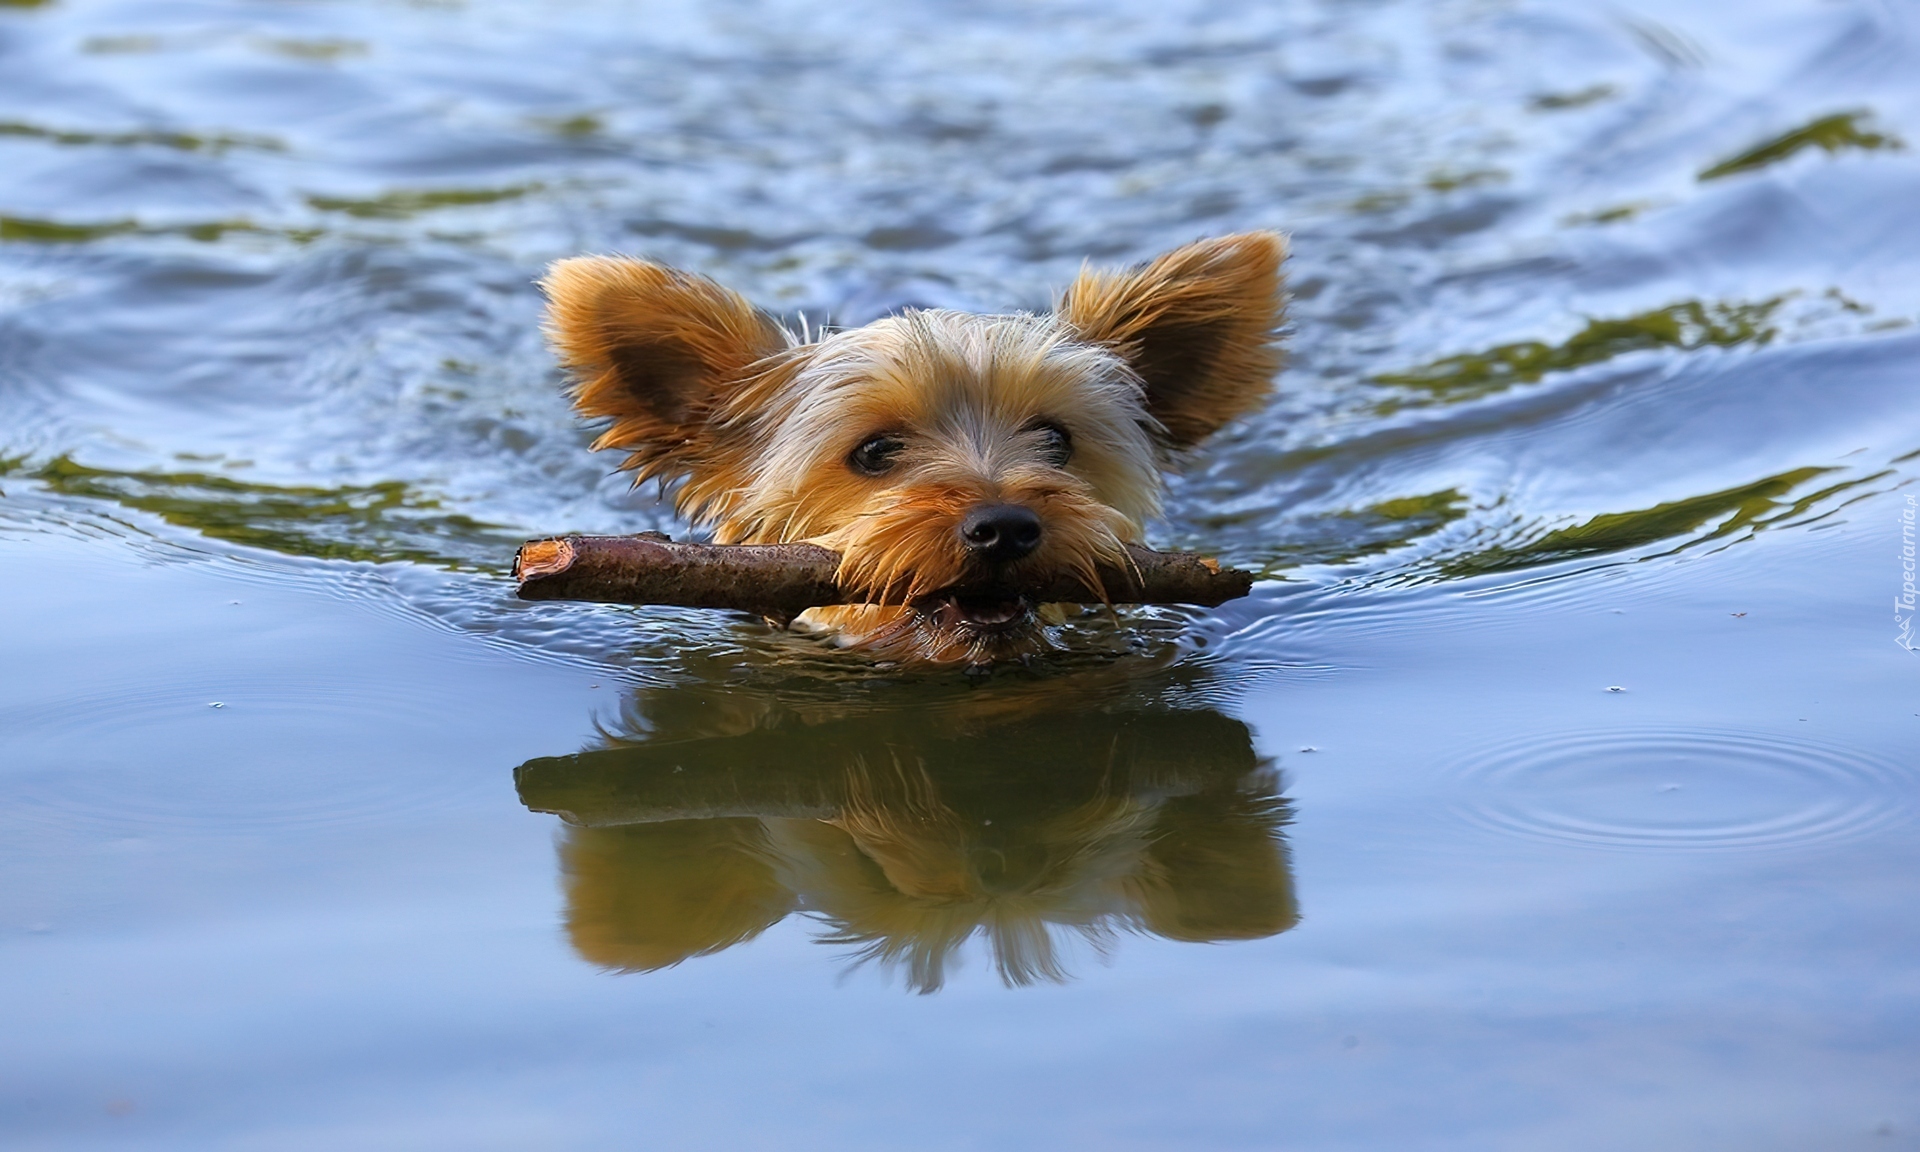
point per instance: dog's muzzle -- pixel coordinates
(1000, 533)
(983, 613)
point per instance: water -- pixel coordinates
(1556, 788)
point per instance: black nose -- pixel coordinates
(1001, 533)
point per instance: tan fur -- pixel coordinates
(1197, 325)
(656, 351)
(757, 428)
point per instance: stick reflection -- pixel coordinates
(906, 835)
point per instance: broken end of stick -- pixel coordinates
(1241, 583)
(543, 558)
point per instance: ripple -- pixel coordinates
(1681, 789)
(283, 756)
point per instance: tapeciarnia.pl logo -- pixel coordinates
(1903, 604)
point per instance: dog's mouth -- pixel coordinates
(978, 612)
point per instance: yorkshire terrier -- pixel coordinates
(938, 452)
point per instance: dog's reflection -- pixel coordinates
(906, 836)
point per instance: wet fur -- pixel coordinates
(755, 426)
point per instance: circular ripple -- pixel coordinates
(287, 755)
(1682, 789)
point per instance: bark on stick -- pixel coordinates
(783, 580)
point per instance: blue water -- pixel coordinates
(1557, 787)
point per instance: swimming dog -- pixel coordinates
(951, 459)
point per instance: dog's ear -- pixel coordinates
(1197, 325)
(655, 349)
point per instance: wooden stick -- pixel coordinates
(782, 580)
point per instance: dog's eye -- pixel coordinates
(877, 455)
(1055, 444)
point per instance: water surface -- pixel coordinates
(1557, 787)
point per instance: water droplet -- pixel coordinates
(216, 704)
(1309, 748)
(1615, 688)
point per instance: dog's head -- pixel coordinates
(952, 460)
